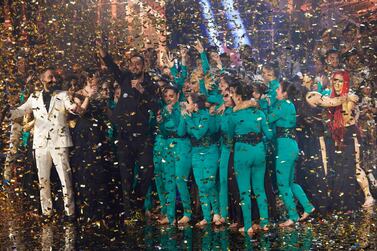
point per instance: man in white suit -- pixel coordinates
(51, 138)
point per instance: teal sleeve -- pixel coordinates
(275, 114)
(265, 128)
(198, 128)
(214, 123)
(231, 125)
(263, 104)
(205, 62)
(326, 92)
(174, 72)
(214, 97)
(272, 94)
(319, 87)
(179, 79)
(182, 128)
(25, 138)
(202, 87)
(274, 85)
(169, 125)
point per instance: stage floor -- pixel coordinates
(22, 231)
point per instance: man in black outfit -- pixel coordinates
(131, 116)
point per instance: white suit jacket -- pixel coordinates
(49, 125)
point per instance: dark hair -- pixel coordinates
(199, 99)
(272, 67)
(212, 49)
(331, 51)
(48, 68)
(290, 89)
(85, 75)
(229, 75)
(168, 86)
(138, 55)
(350, 53)
(260, 87)
(245, 91)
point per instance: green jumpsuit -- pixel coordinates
(159, 156)
(213, 96)
(283, 115)
(177, 162)
(179, 77)
(271, 94)
(248, 127)
(201, 128)
(225, 150)
(160, 149)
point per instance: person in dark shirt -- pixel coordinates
(131, 116)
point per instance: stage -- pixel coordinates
(19, 231)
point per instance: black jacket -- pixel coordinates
(132, 112)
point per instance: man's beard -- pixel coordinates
(137, 75)
(53, 87)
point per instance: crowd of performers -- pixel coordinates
(207, 138)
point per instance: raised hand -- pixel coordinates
(198, 46)
(185, 109)
(169, 59)
(221, 109)
(159, 116)
(184, 54)
(353, 98)
(136, 83)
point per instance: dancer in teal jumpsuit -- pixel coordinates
(283, 115)
(201, 128)
(177, 158)
(226, 146)
(269, 74)
(159, 156)
(249, 126)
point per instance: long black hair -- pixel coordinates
(199, 99)
(290, 88)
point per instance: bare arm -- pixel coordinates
(246, 104)
(316, 99)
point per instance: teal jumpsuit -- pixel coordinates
(159, 156)
(213, 96)
(283, 115)
(176, 164)
(271, 94)
(248, 127)
(226, 145)
(160, 149)
(179, 77)
(201, 128)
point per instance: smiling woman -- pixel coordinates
(345, 162)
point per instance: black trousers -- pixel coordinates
(135, 152)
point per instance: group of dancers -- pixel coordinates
(237, 133)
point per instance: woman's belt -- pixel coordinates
(204, 141)
(226, 140)
(251, 138)
(282, 132)
(173, 135)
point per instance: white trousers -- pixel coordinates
(59, 156)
